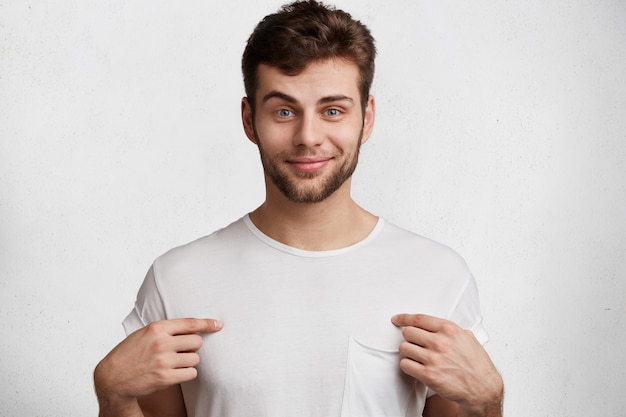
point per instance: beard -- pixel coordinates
(309, 187)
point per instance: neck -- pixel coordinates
(334, 223)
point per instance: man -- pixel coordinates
(303, 294)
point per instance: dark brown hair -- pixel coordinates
(303, 32)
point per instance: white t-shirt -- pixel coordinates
(305, 333)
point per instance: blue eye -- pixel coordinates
(333, 112)
(284, 113)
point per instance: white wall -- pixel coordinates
(501, 131)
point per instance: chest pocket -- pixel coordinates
(376, 387)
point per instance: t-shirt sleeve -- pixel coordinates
(467, 314)
(148, 306)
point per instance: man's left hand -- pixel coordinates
(452, 362)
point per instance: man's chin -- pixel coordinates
(299, 193)
(306, 196)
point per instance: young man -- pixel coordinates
(293, 309)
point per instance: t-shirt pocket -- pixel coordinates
(376, 387)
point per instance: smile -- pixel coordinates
(308, 164)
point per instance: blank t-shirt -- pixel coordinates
(306, 333)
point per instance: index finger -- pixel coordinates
(193, 325)
(422, 321)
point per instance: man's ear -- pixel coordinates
(369, 114)
(247, 119)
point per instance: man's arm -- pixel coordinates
(149, 364)
(166, 403)
(437, 406)
(452, 362)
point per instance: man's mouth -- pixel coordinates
(308, 163)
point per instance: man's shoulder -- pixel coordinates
(220, 240)
(416, 246)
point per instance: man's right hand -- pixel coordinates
(153, 358)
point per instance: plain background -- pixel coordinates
(500, 132)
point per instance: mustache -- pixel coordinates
(309, 153)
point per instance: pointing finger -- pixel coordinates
(202, 325)
(189, 326)
(208, 325)
(422, 321)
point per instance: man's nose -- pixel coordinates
(310, 132)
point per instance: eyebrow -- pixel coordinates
(279, 95)
(332, 99)
(292, 100)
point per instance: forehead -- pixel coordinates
(318, 79)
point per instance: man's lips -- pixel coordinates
(309, 164)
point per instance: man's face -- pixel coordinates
(309, 128)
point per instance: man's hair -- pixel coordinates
(304, 32)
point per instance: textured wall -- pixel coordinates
(501, 131)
